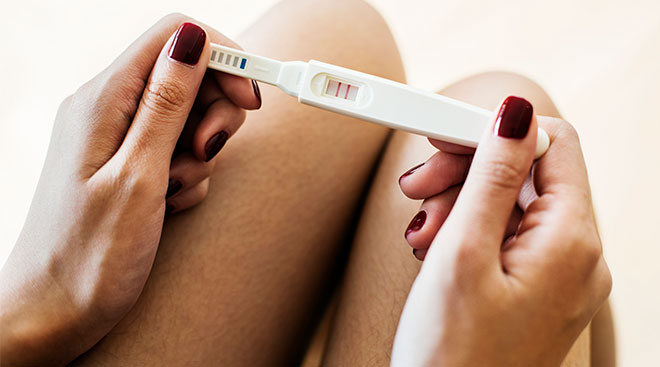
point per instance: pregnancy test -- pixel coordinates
(364, 96)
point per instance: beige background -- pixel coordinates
(599, 60)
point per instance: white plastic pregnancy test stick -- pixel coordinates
(365, 96)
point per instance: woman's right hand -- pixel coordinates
(134, 142)
(502, 284)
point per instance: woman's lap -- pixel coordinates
(241, 279)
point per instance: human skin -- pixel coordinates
(381, 268)
(239, 279)
(519, 288)
(91, 235)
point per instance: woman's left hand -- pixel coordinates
(135, 142)
(502, 284)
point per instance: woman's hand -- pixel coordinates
(146, 128)
(502, 284)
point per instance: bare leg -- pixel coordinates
(238, 280)
(381, 267)
(603, 348)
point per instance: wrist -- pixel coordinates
(41, 323)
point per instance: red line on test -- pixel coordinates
(337, 93)
(347, 89)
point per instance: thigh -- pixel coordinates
(237, 280)
(381, 268)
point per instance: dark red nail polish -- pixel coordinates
(410, 171)
(257, 92)
(173, 186)
(514, 118)
(169, 208)
(416, 223)
(188, 44)
(214, 144)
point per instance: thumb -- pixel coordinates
(501, 164)
(168, 95)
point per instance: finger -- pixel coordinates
(221, 121)
(527, 192)
(134, 65)
(187, 171)
(432, 215)
(217, 85)
(499, 167)
(451, 147)
(514, 221)
(168, 96)
(434, 176)
(563, 171)
(420, 251)
(234, 88)
(209, 92)
(188, 198)
(562, 215)
(420, 254)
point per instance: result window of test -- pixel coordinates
(342, 90)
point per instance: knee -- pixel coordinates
(350, 33)
(501, 84)
(516, 84)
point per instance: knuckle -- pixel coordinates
(502, 174)
(566, 126)
(64, 106)
(165, 96)
(583, 248)
(66, 101)
(128, 182)
(135, 186)
(562, 128)
(605, 282)
(85, 94)
(591, 251)
(175, 18)
(567, 129)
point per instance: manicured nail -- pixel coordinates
(514, 118)
(169, 208)
(173, 186)
(214, 144)
(188, 44)
(410, 171)
(416, 223)
(257, 92)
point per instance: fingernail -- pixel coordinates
(214, 144)
(410, 171)
(188, 44)
(416, 223)
(173, 186)
(257, 92)
(514, 118)
(169, 208)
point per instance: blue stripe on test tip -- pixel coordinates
(243, 62)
